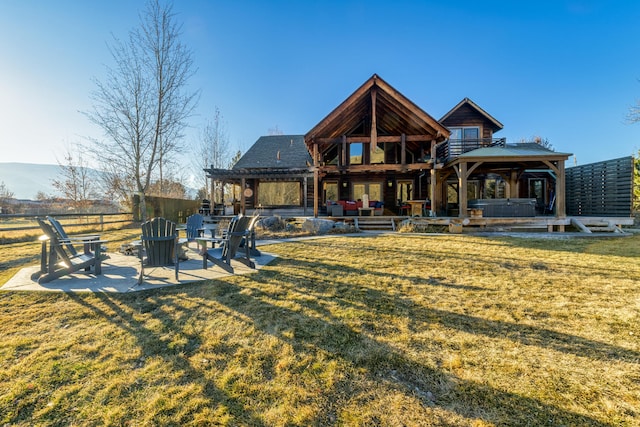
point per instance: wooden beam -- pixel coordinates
(561, 207)
(553, 167)
(380, 138)
(316, 158)
(403, 149)
(513, 184)
(462, 190)
(316, 183)
(432, 182)
(473, 168)
(374, 129)
(344, 161)
(243, 203)
(580, 226)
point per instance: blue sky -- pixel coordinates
(564, 70)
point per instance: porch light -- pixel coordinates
(389, 183)
(344, 184)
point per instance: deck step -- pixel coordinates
(374, 223)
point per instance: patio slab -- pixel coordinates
(120, 274)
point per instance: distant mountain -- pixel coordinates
(25, 180)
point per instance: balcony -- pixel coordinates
(455, 147)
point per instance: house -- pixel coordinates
(378, 145)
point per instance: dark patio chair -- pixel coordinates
(160, 243)
(57, 261)
(228, 248)
(70, 241)
(250, 239)
(194, 227)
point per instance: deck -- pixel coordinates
(586, 224)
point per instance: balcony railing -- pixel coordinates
(455, 147)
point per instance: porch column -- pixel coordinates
(561, 207)
(243, 203)
(304, 195)
(432, 192)
(462, 190)
(316, 180)
(513, 184)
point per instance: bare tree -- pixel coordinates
(170, 188)
(544, 142)
(77, 182)
(5, 196)
(236, 157)
(634, 112)
(213, 149)
(143, 105)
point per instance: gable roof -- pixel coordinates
(276, 152)
(395, 114)
(466, 103)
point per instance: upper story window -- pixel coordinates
(332, 156)
(465, 133)
(356, 151)
(377, 154)
(463, 139)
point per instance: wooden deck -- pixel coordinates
(584, 224)
(541, 223)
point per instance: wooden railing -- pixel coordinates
(455, 147)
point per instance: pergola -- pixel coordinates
(509, 162)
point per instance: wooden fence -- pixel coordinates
(18, 222)
(601, 189)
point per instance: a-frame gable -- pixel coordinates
(468, 112)
(374, 111)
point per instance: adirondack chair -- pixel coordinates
(62, 235)
(194, 227)
(250, 239)
(222, 255)
(58, 261)
(160, 242)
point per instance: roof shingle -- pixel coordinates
(276, 152)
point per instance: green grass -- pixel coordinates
(370, 330)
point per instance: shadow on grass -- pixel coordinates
(316, 326)
(385, 303)
(152, 344)
(385, 363)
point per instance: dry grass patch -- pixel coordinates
(386, 330)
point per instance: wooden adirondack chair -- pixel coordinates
(222, 255)
(62, 235)
(160, 242)
(57, 261)
(194, 227)
(250, 239)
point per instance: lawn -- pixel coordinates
(453, 330)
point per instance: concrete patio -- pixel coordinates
(120, 274)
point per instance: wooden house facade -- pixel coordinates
(378, 145)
